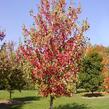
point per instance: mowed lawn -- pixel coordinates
(30, 100)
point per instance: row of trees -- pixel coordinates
(13, 75)
(93, 75)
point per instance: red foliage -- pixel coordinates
(54, 47)
(2, 35)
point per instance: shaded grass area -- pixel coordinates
(72, 106)
(4, 106)
(30, 100)
(93, 95)
(18, 99)
(27, 99)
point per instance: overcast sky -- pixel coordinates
(15, 13)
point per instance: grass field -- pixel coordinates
(30, 100)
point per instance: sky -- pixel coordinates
(15, 13)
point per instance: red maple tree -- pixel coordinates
(54, 46)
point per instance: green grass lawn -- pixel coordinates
(30, 100)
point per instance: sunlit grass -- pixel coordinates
(30, 100)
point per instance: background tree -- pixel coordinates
(2, 35)
(91, 77)
(54, 46)
(104, 52)
(27, 68)
(11, 75)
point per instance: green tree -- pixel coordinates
(90, 76)
(27, 68)
(11, 74)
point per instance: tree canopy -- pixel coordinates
(91, 77)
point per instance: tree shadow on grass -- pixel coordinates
(24, 100)
(27, 99)
(17, 103)
(72, 106)
(12, 105)
(4, 106)
(93, 95)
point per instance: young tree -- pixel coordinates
(91, 77)
(54, 46)
(11, 75)
(2, 35)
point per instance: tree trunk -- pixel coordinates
(92, 92)
(51, 101)
(75, 85)
(10, 92)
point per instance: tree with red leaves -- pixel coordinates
(2, 35)
(54, 46)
